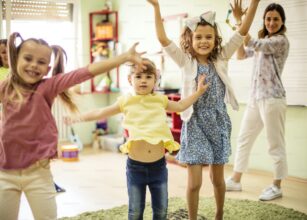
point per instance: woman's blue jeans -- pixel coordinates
(154, 175)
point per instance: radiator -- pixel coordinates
(58, 111)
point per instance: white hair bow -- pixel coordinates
(208, 16)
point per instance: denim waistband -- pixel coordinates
(158, 162)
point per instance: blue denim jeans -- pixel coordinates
(139, 176)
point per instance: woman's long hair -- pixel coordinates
(271, 7)
(14, 86)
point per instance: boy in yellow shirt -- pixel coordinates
(149, 135)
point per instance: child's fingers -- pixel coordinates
(232, 8)
(244, 12)
(133, 48)
(134, 45)
(67, 120)
(202, 84)
(141, 65)
(142, 53)
(202, 78)
(146, 62)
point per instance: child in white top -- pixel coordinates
(205, 134)
(29, 135)
(149, 136)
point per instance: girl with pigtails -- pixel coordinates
(29, 137)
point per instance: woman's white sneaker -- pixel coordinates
(270, 193)
(231, 185)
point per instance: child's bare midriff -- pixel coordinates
(145, 152)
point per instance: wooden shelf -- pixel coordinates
(102, 39)
(175, 118)
(176, 130)
(103, 30)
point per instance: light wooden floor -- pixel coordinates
(98, 181)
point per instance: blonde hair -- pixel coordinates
(14, 86)
(186, 41)
(150, 68)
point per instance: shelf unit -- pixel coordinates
(175, 118)
(103, 32)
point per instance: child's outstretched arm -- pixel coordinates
(106, 65)
(247, 21)
(183, 104)
(93, 115)
(241, 51)
(160, 31)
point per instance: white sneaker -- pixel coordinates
(270, 193)
(231, 185)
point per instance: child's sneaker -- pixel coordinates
(58, 188)
(270, 193)
(231, 185)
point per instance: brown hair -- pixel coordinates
(2, 42)
(273, 7)
(186, 41)
(14, 86)
(150, 68)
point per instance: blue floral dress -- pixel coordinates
(205, 138)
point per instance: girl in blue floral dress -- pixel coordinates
(206, 129)
(206, 136)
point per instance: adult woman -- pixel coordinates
(267, 105)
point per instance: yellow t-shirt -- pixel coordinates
(3, 73)
(145, 119)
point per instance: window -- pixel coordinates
(37, 10)
(51, 20)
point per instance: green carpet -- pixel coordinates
(234, 210)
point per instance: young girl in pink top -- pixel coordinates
(29, 137)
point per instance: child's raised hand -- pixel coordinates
(153, 2)
(202, 84)
(68, 120)
(237, 10)
(135, 57)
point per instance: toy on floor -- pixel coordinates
(74, 138)
(70, 152)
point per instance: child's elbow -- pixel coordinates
(182, 108)
(164, 41)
